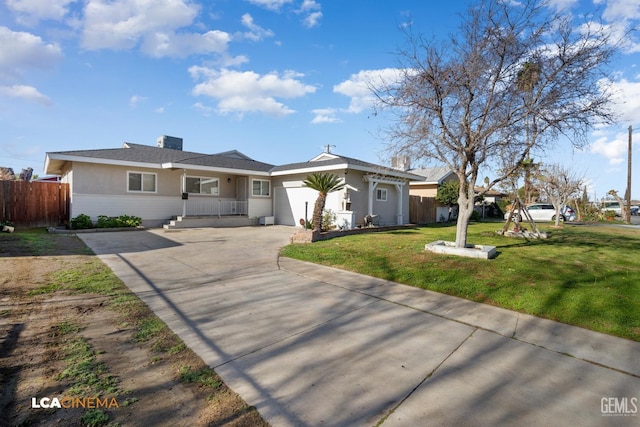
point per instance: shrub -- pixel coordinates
(128, 221)
(329, 218)
(82, 221)
(104, 221)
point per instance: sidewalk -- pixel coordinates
(312, 345)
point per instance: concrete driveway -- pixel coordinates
(310, 345)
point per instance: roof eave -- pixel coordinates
(312, 169)
(172, 165)
(98, 160)
(347, 166)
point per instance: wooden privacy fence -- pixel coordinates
(422, 210)
(34, 204)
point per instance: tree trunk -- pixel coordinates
(316, 220)
(465, 209)
(557, 208)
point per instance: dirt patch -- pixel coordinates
(152, 380)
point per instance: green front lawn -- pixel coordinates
(587, 276)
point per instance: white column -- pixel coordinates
(399, 213)
(372, 189)
(184, 190)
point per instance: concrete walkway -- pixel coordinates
(310, 345)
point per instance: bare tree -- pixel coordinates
(505, 86)
(558, 185)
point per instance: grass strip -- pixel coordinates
(587, 276)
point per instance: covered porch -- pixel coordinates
(214, 196)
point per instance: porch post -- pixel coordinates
(399, 214)
(184, 189)
(372, 189)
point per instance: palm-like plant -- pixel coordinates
(323, 183)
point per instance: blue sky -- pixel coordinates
(274, 79)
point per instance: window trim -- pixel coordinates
(380, 192)
(262, 181)
(142, 190)
(217, 194)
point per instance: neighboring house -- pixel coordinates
(488, 206)
(427, 187)
(158, 183)
(491, 196)
(432, 179)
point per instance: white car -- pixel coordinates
(538, 212)
(611, 206)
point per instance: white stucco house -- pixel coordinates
(163, 184)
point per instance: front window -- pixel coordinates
(381, 194)
(202, 185)
(141, 182)
(261, 187)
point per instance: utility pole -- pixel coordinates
(627, 194)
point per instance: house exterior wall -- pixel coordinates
(290, 198)
(102, 190)
(90, 178)
(260, 205)
(424, 190)
(386, 209)
(359, 199)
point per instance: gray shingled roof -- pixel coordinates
(156, 156)
(340, 160)
(434, 174)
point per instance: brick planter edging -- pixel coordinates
(308, 236)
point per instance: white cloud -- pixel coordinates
(325, 115)
(22, 50)
(620, 9)
(312, 20)
(311, 10)
(182, 45)
(203, 109)
(615, 151)
(227, 60)
(135, 100)
(619, 14)
(243, 92)
(274, 5)
(627, 100)
(359, 86)
(33, 11)
(308, 5)
(125, 24)
(28, 93)
(562, 4)
(256, 32)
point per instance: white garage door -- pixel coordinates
(290, 204)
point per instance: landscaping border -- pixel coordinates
(309, 236)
